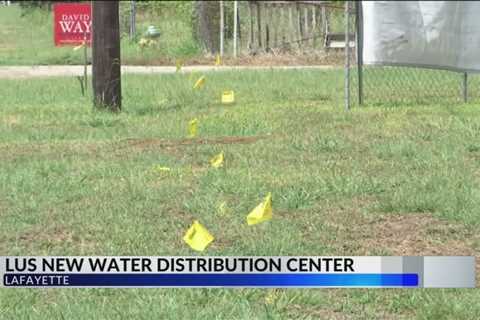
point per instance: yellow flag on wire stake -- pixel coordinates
(79, 46)
(198, 237)
(199, 83)
(223, 209)
(217, 161)
(228, 97)
(192, 128)
(160, 168)
(178, 65)
(262, 212)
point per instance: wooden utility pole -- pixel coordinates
(106, 74)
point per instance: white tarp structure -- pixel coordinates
(436, 34)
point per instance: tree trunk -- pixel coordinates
(259, 25)
(268, 10)
(251, 39)
(207, 16)
(106, 72)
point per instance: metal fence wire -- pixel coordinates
(404, 85)
(316, 31)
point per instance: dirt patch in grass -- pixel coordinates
(173, 144)
(361, 233)
(54, 237)
(311, 312)
(11, 120)
(14, 151)
(294, 310)
(424, 235)
(408, 234)
(413, 234)
(261, 59)
(174, 147)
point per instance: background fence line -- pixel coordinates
(319, 29)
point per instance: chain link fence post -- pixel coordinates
(347, 55)
(359, 45)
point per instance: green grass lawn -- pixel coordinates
(378, 180)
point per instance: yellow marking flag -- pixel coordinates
(79, 46)
(178, 65)
(217, 161)
(159, 168)
(198, 237)
(192, 128)
(200, 83)
(218, 60)
(262, 212)
(143, 42)
(271, 297)
(228, 97)
(223, 209)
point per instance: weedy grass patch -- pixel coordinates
(75, 181)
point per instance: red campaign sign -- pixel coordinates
(72, 22)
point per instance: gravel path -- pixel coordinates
(22, 72)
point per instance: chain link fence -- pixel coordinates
(315, 33)
(269, 33)
(397, 84)
(404, 85)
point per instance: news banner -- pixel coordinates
(246, 272)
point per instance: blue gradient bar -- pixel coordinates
(279, 280)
